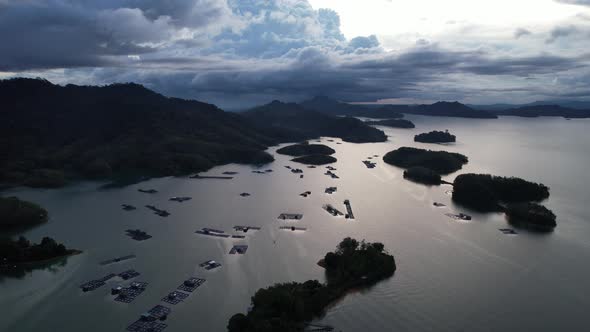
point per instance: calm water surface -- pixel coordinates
(452, 276)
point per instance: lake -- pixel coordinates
(451, 276)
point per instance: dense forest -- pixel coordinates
(393, 123)
(50, 134)
(422, 175)
(533, 111)
(315, 159)
(435, 137)
(302, 149)
(441, 162)
(452, 109)
(531, 215)
(292, 122)
(484, 192)
(289, 306)
(16, 213)
(23, 251)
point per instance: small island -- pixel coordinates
(309, 154)
(531, 215)
(23, 252)
(441, 162)
(436, 137)
(393, 123)
(422, 175)
(290, 306)
(485, 193)
(16, 213)
(303, 149)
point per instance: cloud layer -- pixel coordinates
(241, 52)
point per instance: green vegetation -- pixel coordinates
(15, 213)
(292, 122)
(51, 134)
(441, 162)
(303, 149)
(393, 123)
(435, 137)
(315, 159)
(289, 306)
(422, 175)
(531, 215)
(484, 192)
(22, 251)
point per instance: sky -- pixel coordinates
(240, 53)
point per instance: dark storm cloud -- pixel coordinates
(560, 32)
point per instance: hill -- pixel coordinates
(451, 109)
(293, 122)
(333, 107)
(545, 110)
(50, 134)
(393, 123)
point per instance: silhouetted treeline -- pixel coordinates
(393, 123)
(533, 111)
(531, 215)
(441, 162)
(435, 137)
(23, 251)
(485, 192)
(303, 149)
(15, 213)
(289, 306)
(422, 175)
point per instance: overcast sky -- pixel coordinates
(238, 53)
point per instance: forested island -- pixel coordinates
(531, 215)
(441, 162)
(484, 192)
(435, 137)
(302, 149)
(289, 306)
(422, 175)
(393, 123)
(310, 154)
(22, 252)
(16, 213)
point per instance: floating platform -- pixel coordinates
(290, 216)
(158, 312)
(317, 328)
(191, 284)
(128, 207)
(293, 228)
(238, 249)
(116, 260)
(305, 194)
(332, 175)
(147, 191)
(437, 204)
(180, 199)
(210, 265)
(369, 163)
(245, 194)
(349, 214)
(237, 236)
(197, 176)
(161, 213)
(138, 235)
(175, 297)
(311, 166)
(332, 210)
(205, 232)
(129, 294)
(330, 190)
(508, 231)
(245, 228)
(331, 168)
(297, 170)
(259, 172)
(229, 173)
(126, 275)
(94, 284)
(460, 216)
(287, 167)
(146, 326)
